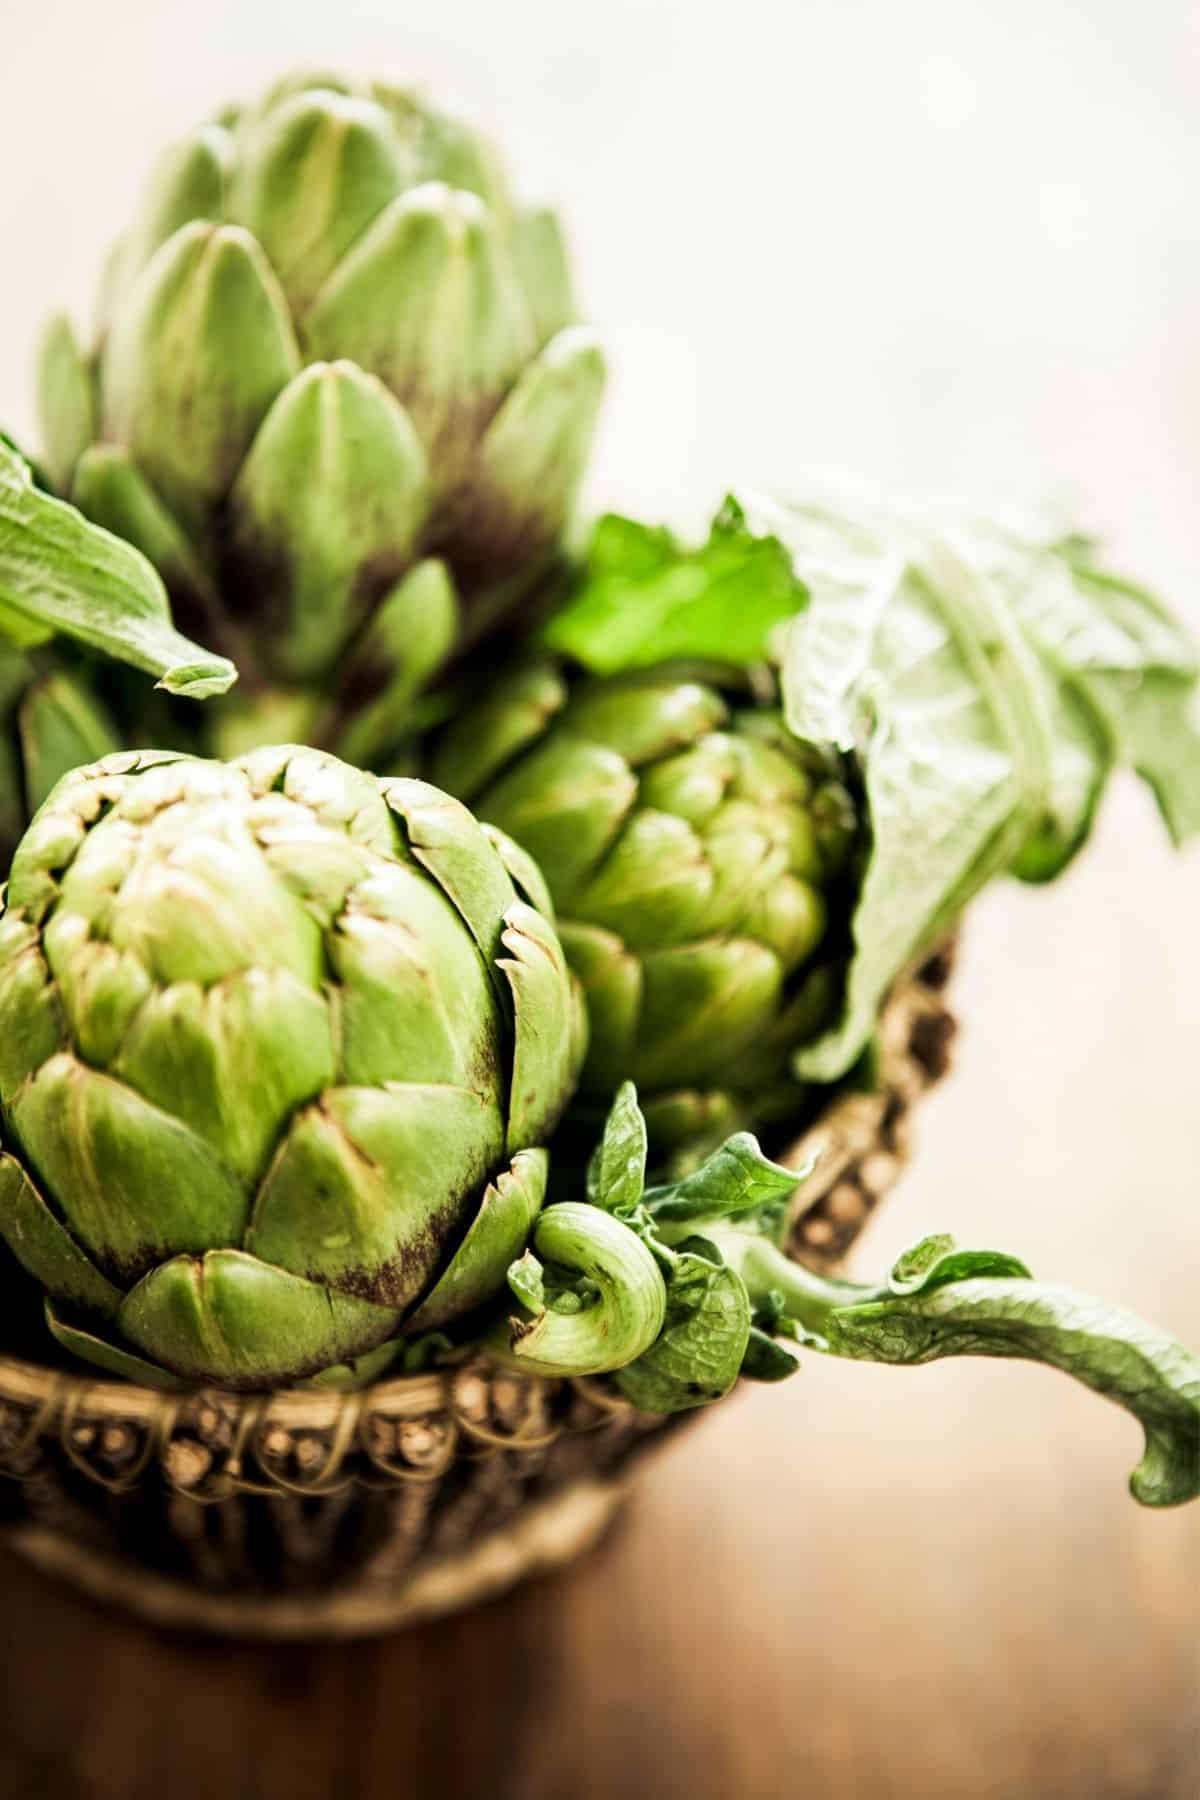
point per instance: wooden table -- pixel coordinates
(924, 1583)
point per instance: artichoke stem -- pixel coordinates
(807, 1297)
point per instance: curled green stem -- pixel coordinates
(807, 1297)
(624, 1298)
(975, 1307)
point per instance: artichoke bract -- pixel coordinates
(281, 1048)
(338, 396)
(689, 844)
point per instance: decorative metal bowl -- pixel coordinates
(310, 1514)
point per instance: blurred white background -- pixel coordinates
(949, 245)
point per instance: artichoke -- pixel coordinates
(694, 851)
(338, 399)
(281, 1046)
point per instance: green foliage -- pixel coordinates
(735, 1304)
(644, 598)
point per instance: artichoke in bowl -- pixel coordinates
(281, 1048)
(339, 397)
(696, 853)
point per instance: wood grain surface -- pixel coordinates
(925, 1583)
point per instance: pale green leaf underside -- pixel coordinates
(61, 575)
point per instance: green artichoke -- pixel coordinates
(690, 845)
(281, 1047)
(338, 399)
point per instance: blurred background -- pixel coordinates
(950, 247)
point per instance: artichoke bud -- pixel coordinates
(428, 299)
(279, 1049)
(545, 271)
(347, 225)
(704, 1006)
(690, 851)
(66, 401)
(791, 916)
(318, 169)
(194, 361)
(646, 717)
(297, 81)
(190, 182)
(508, 716)
(653, 887)
(613, 987)
(565, 803)
(408, 637)
(515, 504)
(461, 158)
(312, 572)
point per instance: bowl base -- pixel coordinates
(542, 1536)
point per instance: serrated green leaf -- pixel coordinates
(766, 1360)
(644, 598)
(1123, 680)
(941, 1301)
(616, 1174)
(735, 1179)
(699, 1351)
(1106, 1348)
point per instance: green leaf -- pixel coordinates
(644, 598)
(939, 1301)
(935, 1261)
(907, 656)
(1108, 1349)
(38, 475)
(526, 1279)
(616, 1174)
(60, 574)
(1083, 757)
(987, 685)
(1153, 718)
(698, 1354)
(766, 1360)
(1122, 677)
(736, 1179)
